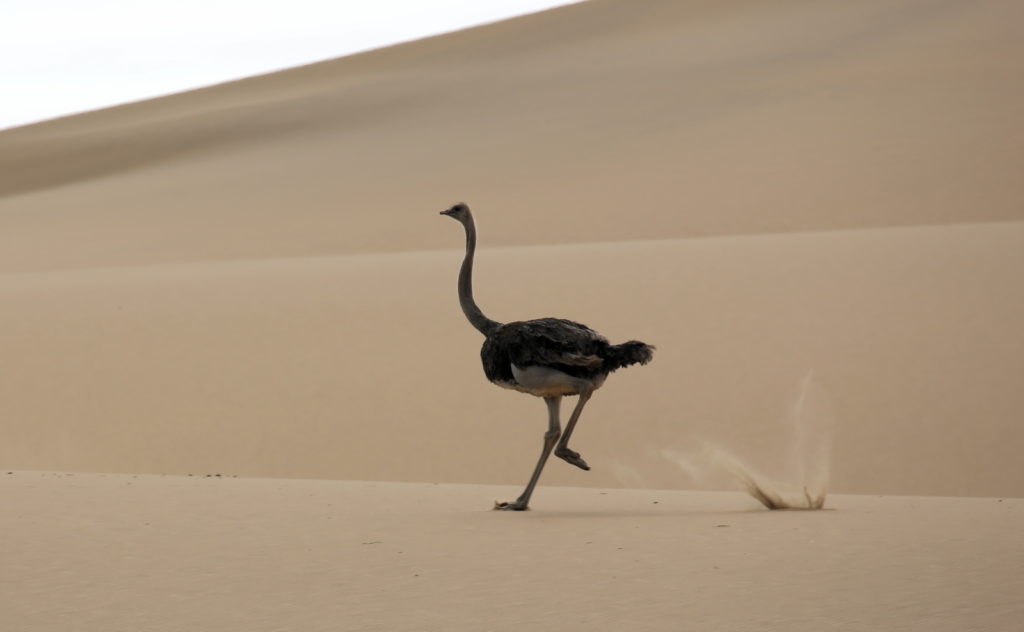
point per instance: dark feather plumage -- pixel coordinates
(556, 343)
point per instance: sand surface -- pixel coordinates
(813, 210)
(178, 553)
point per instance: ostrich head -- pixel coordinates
(460, 212)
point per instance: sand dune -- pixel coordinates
(363, 367)
(599, 121)
(186, 553)
(813, 210)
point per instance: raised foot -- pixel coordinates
(572, 457)
(515, 506)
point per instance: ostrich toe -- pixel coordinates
(571, 456)
(513, 506)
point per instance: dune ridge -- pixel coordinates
(252, 281)
(273, 368)
(694, 120)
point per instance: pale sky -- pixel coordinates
(58, 57)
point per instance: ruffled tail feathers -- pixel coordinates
(628, 353)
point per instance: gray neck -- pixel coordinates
(484, 325)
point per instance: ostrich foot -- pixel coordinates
(518, 505)
(571, 456)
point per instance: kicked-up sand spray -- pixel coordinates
(810, 424)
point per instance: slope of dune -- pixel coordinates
(362, 367)
(249, 277)
(813, 209)
(178, 553)
(598, 121)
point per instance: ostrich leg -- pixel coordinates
(563, 451)
(550, 437)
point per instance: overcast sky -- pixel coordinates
(63, 56)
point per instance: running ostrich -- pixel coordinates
(547, 357)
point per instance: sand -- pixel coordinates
(813, 210)
(257, 554)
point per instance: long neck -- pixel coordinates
(484, 325)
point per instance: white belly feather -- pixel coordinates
(547, 382)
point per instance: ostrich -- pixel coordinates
(546, 357)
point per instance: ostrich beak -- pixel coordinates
(448, 212)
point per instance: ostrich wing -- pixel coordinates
(552, 341)
(549, 358)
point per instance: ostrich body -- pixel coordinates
(547, 357)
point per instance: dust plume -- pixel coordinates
(807, 466)
(770, 493)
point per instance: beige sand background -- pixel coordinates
(262, 554)
(813, 210)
